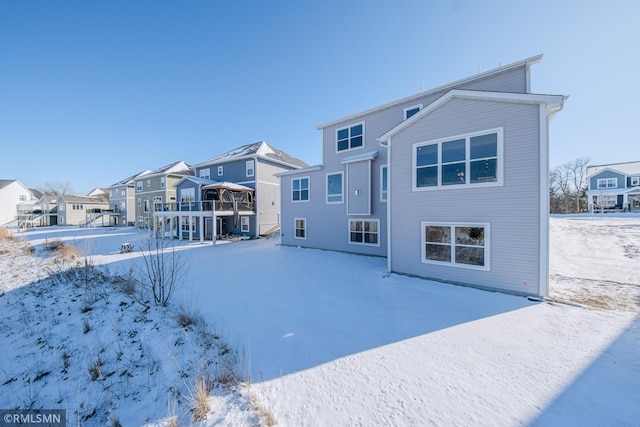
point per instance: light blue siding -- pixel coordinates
(621, 179)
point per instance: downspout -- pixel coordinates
(388, 146)
(543, 280)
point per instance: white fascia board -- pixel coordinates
(554, 104)
(526, 62)
(299, 171)
(359, 157)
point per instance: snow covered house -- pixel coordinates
(84, 211)
(614, 187)
(122, 199)
(12, 192)
(449, 184)
(156, 188)
(233, 193)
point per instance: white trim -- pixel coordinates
(348, 196)
(382, 200)
(363, 220)
(543, 256)
(468, 184)
(359, 157)
(220, 170)
(349, 126)
(308, 189)
(389, 259)
(452, 244)
(413, 107)
(295, 228)
(245, 220)
(635, 181)
(251, 162)
(341, 173)
(526, 62)
(299, 171)
(606, 180)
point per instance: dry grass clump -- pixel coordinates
(5, 234)
(199, 399)
(62, 250)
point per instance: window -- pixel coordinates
(163, 181)
(334, 188)
(139, 202)
(123, 192)
(300, 228)
(607, 200)
(364, 232)
(460, 245)
(250, 168)
(111, 192)
(187, 195)
(350, 137)
(244, 224)
(635, 180)
(220, 170)
(23, 198)
(148, 183)
(188, 225)
(384, 192)
(205, 173)
(472, 159)
(608, 183)
(408, 112)
(300, 189)
(146, 205)
(157, 203)
(138, 185)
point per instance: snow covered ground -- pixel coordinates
(329, 339)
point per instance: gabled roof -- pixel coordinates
(228, 185)
(415, 97)
(36, 193)
(7, 182)
(626, 168)
(194, 179)
(257, 149)
(177, 168)
(554, 104)
(130, 179)
(83, 199)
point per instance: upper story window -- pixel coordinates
(148, 183)
(220, 170)
(384, 192)
(335, 188)
(23, 198)
(250, 168)
(635, 180)
(187, 195)
(138, 185)
(408, 112)
(205, 173)
(300, 189)
(350, 137)
(472, 159)
(163, 182)
(608, 183)
(123, 192)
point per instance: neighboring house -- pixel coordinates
(84, 211)
(449, 184)
(156, 188)
(12, 193)
(122, 200)
(614, 187)
(234, 193)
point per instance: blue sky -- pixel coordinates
(93, 92)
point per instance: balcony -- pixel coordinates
(207, 206)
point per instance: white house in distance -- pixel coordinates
(12, 192)
(614, 186)
(449, 184)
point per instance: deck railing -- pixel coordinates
(206, 206)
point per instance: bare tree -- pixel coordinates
(578, 173)
(55, 188)
(161, 270)
(568, 185)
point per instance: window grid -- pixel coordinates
(457, 245)
(607, 182)
(350, 138)
(300, 189)
(335, 187)
(300, 228)
(364, 232)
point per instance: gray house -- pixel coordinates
(614, 187)
(449, 184)
(122, 200)
(235, 193)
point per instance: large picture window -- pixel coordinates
(465, 160)
(608, 183)
(350, 137)
(300, 189)
(364, 232)
(334, 188)
(460, 245)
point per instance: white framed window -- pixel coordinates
(300, 189)
(148, 183)
(250, 167)
(410, 111)
(157, 203)
(463, 245)
(473, 159)
(163, 182)
(123, 192)
(364, 232)
(335, 187)
(607, 200)
(205, 173)
(244, 224)
(635, 181)
(607, 183)
(139, 202)
(187, 195)
(188, 225)
(220, 170)
(146, 205)
(384, 183)
(349, 138)
(138, 185)
(300, 228)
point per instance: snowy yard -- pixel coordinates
(330, 339)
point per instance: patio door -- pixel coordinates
(208, 228)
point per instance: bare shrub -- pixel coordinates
(199, 398)
(6, 234)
